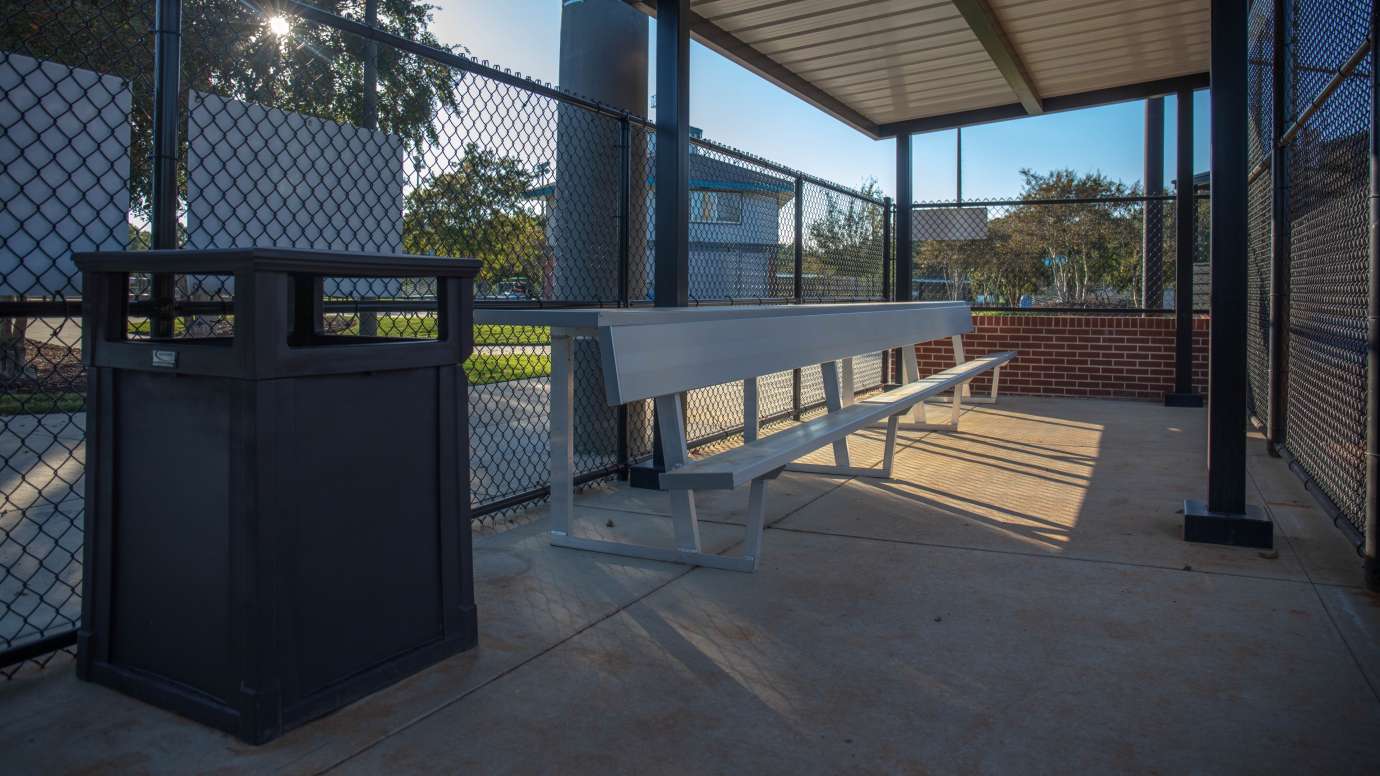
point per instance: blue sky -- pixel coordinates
(736, 107)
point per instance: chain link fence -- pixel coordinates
(1311, 101)
(1085, 248)
(301, 126)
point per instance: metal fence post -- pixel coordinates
(1152, 226)
(1185, 241)
(798, 275)
(624, 265)
(905, 212)
(886, 278)
(368, 319)
(167, 64)
(1279, 229)
(1372, 517)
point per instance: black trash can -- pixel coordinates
(277, 510)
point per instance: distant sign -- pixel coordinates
(949, 223)
(64, 172)
(263, 176)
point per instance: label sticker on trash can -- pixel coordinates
(165, 358)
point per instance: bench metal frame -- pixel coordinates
(839, 394)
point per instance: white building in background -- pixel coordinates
(735, 230)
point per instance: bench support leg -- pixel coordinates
(882, 472)
(676, 455)
(751, 414)
(910, 369)
(959, 359)
(684, 518)
(757, 521)
(562, 434)
(968, 396)
(834, 402)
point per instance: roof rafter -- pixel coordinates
(1091, 99)
(716, 38)
(983, 22)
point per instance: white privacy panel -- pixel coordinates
(64, 172)
(262, 176)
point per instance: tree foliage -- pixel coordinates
(1061, 252)
(481, 208)
(228, 49)
(841, 246)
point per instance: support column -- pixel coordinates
(672, 153)
(1225, 518)
(905, 213)
(671, 232)
(1185, 241)
(1152, 230)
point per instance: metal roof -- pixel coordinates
(893, 66)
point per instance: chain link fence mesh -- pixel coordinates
(1083, 249)
(1260, 205)
(75, 113)
(1328, 252)
(278, 144)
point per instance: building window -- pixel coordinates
(716, 207)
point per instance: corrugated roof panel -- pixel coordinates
(1070, 47)
(892, 61)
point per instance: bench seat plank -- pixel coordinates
(741, 465)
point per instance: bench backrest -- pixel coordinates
(643, 361)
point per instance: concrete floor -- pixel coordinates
(1017, 598)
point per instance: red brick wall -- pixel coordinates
(1104, 356)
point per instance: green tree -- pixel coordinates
(843, 249)
(482, 208)
(1090, 251)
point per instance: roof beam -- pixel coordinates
(1065, 102)
(713, 36)
(983, 22)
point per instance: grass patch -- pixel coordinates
(418, 326)
(485, 368)
(503, 334)
(41, 403)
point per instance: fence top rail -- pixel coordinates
(1053, 201)
(486, 70)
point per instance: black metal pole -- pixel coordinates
(905, 213)
(799, 273)
(368, 319)
(1185, 241)
(672, 153)
(1227, 368)
(1225, 518)
(1279, 229)
(1152, 230)
(958, 166)
(167, 63)
(886, 278)
(371, 68)
(1371, 549)
(624, 263)
(798, 276)
(671, 231)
